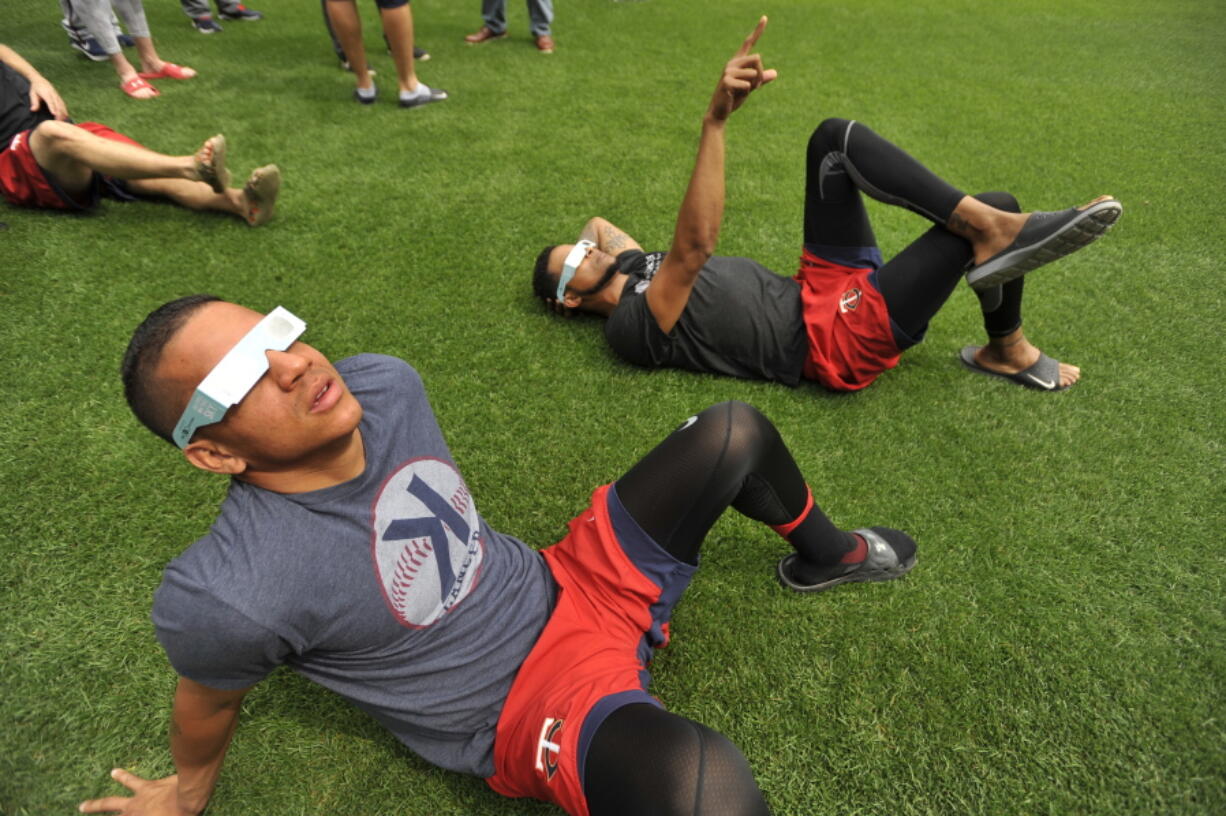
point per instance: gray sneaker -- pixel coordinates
(891, 554)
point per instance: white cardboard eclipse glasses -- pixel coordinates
(573, 259)
(237, 372)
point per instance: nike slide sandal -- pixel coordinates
(891, 554)
(1045, 237)
(1044, 375)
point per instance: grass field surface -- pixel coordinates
(1058, 650)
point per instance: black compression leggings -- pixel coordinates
(644, 760)
(846, 158)
(730, 455)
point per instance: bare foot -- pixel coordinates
(259, 194)
(210, 164)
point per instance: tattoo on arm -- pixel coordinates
(615, 241)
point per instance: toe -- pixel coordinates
(1069, 374)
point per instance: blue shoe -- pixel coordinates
(125, 40)
(240, 12)
(84, 43)
(891, 554)
(206, 25)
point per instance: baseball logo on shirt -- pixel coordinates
(426, 541)
(849, 301)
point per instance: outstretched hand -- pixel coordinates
(43, 94)
(742, 76)
(151, 797)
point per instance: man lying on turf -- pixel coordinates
(47, 161)
(845, 317)
(350, 549)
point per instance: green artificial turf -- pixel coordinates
(1058, 650)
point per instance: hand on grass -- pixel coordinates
(152, 797)
(743, 75)
(43, 93)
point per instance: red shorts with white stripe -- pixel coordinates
(25, 184)
(617, 589)
(850, 337)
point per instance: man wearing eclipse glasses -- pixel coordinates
(350, 549)
(846, 316)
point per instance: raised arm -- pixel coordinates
(607, 237)
(702, 209)
(42, 92)
(201, 725)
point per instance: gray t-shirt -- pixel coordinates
(742, 320)
(388, 589)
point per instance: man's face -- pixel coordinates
(299, 406)
(589, 272)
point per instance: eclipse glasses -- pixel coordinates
(238, 372)
(573, 259)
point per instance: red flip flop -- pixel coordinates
(170, 71)
(137, 84)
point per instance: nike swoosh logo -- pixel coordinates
(1048, 385)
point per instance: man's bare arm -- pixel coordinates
(607, 237)
(42, 92)
(201, 726)
(702, 209)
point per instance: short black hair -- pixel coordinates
(544, 284)
(144, 393)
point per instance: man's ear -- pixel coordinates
(214, 457)
(572, 301)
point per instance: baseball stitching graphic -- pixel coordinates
(426, 541)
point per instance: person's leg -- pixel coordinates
(884, 171)
(72, 155)
(347, 26)
(731, 455)
(151, 64)
(336, 44)
(1008, 351)
(540, 15)
(917, 282)
(255, 203)
(398, 33)
(494, 12)
(645, 760)
(196, 8)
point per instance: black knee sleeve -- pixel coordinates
(730, 454)
(646, 761)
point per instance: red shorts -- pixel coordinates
(850, 337)
(617, 588)
(25, 184)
